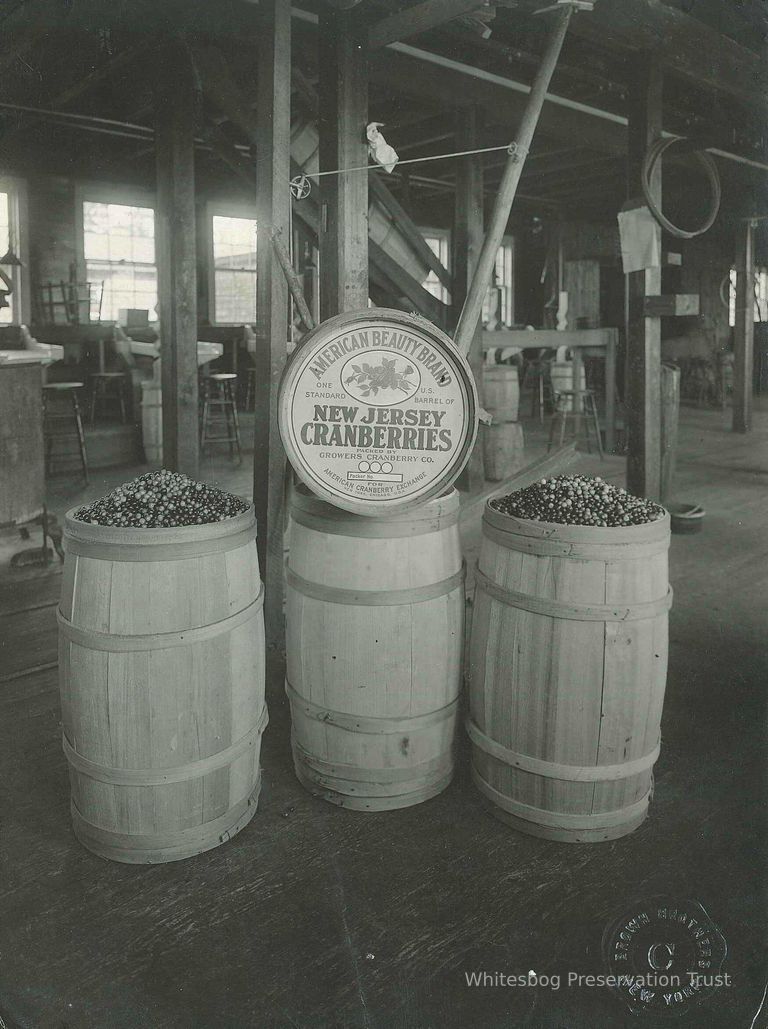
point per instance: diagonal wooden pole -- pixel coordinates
(518, 151)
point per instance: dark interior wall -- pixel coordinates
(706, 265)
(51, 228)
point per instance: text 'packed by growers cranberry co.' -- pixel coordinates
(377, 411)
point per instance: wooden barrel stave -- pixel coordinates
(574, 693)
(156, 674)
(373, 670)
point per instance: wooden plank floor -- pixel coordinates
(318, 917)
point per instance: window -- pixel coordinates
(13, 219)
(761, 296)
(504, 282)
(234, 270)
(119, 249)
(7, 313)
(438, 244)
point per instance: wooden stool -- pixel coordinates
(220, 400)
(565, 409)
(62, 424)
(536, 376)
(107, 388)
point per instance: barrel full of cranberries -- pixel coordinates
(162, 499)
(578, 500)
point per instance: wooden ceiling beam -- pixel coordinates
(503, 106)
(687, 47)
(412, 21)
(130, 56)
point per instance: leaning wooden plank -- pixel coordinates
(294, 285)
(409, 229)
(552, 464)
(424, 302)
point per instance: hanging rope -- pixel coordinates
(706, 161)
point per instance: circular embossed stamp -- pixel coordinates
(665, 956)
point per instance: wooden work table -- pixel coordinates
(589, 342)
(94, 337)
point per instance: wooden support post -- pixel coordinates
(343, 50)
(744, 330)
(610, 392)
(467, 244)
(643, 333)
(176, 258)
(273, 140)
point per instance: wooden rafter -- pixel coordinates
(422, 17)
(685, 45)
(502, 105)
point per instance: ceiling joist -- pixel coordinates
(412, 21)
(687, 46)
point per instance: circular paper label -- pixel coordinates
(377, 412)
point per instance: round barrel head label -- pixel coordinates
(374, 413)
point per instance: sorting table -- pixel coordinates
(589, 342)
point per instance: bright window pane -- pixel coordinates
(760, 293)
(6, 313)
(234, 261)
(439, 247)
(119, 246)
(504, 312)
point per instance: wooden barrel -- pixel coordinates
(161, 671)
(501, 392)
(568, 664)
(503, 450)
(374, 622)
(152, 422)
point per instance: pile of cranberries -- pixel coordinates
(578, 500)
(162, 500)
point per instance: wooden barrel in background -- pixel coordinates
(374, 624)
(503, 450)
(568, 664)
(161, 671)
(501, 392)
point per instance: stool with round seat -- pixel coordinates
(566, 407)
(219, 407)
(62, 421)
(107, 390)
